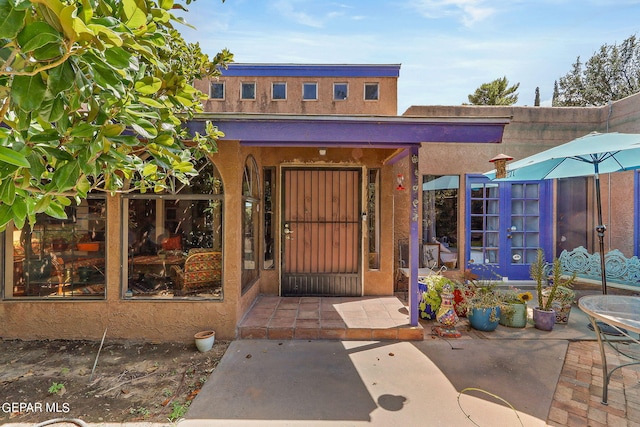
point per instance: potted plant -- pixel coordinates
(483, 307)
(513, 308)
(564, 296)
(544, 316)
(430, 299)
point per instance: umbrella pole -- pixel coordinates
(600, 229)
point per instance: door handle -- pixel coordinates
(287, 231)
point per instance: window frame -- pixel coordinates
(273, 94)
(310, 84)
(248, 84)
(346, 91)
(371, 84)
(224, 90)
(250, 202)
(74, 266)
(213, 230)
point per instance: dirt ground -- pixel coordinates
(153, 382)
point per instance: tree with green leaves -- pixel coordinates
(536, 101)
(612, 73)
(94, 94)
(496, 92)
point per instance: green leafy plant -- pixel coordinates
(178, 410)
(141, 410)
(540, 272)
(94, 94)
(56, 388)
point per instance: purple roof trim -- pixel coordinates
(373, 132)
(311, 70)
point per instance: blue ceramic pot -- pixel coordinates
(483, 320)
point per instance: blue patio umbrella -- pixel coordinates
(589, 155)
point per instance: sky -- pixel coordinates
(446, 48)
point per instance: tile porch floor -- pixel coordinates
(338, 318)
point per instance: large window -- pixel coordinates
(250, 223)
(440, 216)
(174, 241)
(60, 259)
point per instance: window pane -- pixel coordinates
(62, 258)
(173, 242)
(371, 91)
(250, 223)
(373, 220)
(248, 91)
(174, 248)
(279, 91)
(440, 215)
(339, 91)
(269, 175)
(217, 91)
(310, 91)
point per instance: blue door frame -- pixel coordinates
(506, 222)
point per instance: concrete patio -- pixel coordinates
(508, 377)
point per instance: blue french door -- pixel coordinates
(506, 224)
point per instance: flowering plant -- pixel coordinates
(514, 296)
(431, 296)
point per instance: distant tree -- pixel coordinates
(536, 102)
(612, 73)
(556, 94)
(496, 92)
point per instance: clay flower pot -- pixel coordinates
(205, 340)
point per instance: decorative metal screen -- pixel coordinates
(321, 232)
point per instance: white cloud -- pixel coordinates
(289, 9)
(468, 12)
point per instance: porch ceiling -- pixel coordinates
(350, 131)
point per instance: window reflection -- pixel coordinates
(61, 258)
(174, 241)
(250, 223)
(440, 215)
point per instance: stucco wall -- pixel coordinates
(294, 104)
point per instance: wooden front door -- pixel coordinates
(321, 232)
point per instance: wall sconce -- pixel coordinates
(400, 181)
(322, 151)
(500, 162)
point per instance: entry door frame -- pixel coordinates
(505, 267)
(322, 282)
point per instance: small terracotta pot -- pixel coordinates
(205, 340)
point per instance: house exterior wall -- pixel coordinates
(143, 319)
